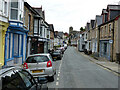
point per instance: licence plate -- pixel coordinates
(55, 57)
(37, 71)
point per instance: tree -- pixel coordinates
(82, 29)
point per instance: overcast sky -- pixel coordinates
(76, 13)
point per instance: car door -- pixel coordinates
(28, 80)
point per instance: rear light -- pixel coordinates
(49, 64)
(25, 66)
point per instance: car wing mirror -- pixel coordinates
(42, 80)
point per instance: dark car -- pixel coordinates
(62, 49)
(57, 55)
(13, 78)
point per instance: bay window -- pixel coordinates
(36, 26)
(17, 45)
(16, 10)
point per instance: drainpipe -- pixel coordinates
(113, 40)
(98, 39)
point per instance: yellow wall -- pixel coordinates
(3, 29)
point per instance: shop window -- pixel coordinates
(17, 45)
(105, 48)
(9, 46)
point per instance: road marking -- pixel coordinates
(57, 83)
(57, 78)
(58, 74)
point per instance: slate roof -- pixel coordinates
(115, 7)
(51, 27)
(98, 20)
(88, 26)
(92, 23)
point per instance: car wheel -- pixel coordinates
(51, 79)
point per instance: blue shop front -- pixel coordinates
(15, 44)
(105, 49)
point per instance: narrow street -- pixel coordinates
(76, 71)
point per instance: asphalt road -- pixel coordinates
(76, 71)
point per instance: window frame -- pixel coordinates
(20, 10)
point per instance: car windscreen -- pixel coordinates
(37, 59)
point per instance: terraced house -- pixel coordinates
(41, 32)
(3, 27)
(29, 14)
(95, 35)
(16, 34)
(107, 31)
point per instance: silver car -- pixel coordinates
(41, 65)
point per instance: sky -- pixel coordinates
(76, 13)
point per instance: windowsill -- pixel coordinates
(10, 59)
(18, 56)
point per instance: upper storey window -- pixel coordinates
(16, 10)
(4, 8)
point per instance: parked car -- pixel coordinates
(57, 55)
(41, 65)
(13, 78)
(65, 46)
(62, 49)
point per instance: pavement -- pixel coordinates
(113, 66)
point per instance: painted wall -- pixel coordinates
(3, 29)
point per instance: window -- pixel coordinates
(0, 6)
(9, 45)
(86, 36)
(35, 26)
(105, 30)
(105, 48)
(13, 82)
(16, 10)
(24, 15)
(39, 28)
(110, 28)
(41, 31)
(29, 21)
(17, 45)
(5, 8)
(35, 59)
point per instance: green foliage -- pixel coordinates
(82, 29)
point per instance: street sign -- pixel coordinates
(111, 41)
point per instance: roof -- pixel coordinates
(30, 8)
(92, 23)
(51, 27)
(116, 18)
(87, 26)
(104, 11)
(114, 7)
(39, 10)
(98, 20)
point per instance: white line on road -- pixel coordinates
(58, 74)
(57, 83)
(57, 78)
